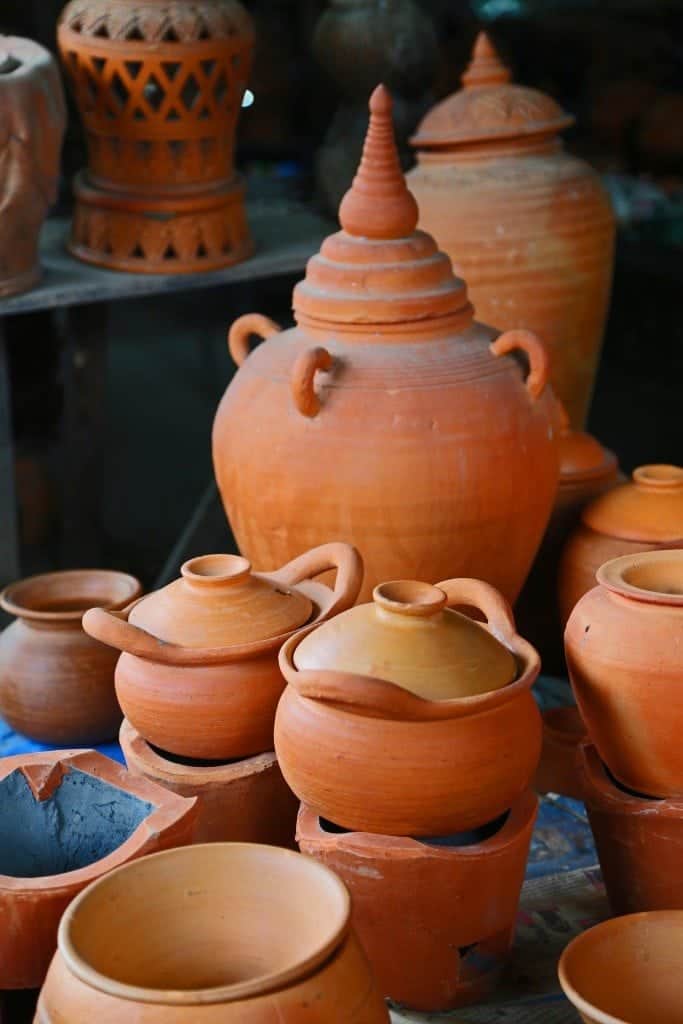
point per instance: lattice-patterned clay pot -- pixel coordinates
(159, 84)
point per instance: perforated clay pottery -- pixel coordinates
(625, 658)
(436, 917)
(627, 970)
(387, 417)
(528, 226)
(374, 756)
(199, 676)
(563, 733)
(56, 683)
(225, 933)
(644, 514)
(159, 87)
(67, 818)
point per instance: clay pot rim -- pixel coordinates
(612, 576)
(11, 596)
(220, 994)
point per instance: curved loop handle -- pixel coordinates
(537, 353)
(113, 629)
(374, 695)
(302, 380)
(343, 558)
(482, 596)
(243, 328)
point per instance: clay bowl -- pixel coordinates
(627, 970)
(225, 932)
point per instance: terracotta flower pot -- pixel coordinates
(625, 659)
(241, 801)
(159, 87)
(56, 683)
(270, 944)
(628, 970)
(528, 226)
(387, 417)
(374, 757)
(199, 675)
(67, 818)
(436, 918)
(644, 514)
(563, 733)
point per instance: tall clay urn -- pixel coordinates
(527, 225)
(159, 86)
(388, 417)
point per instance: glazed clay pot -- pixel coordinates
(373, 757)
(529, 227)
(563, 733)
(625, 658)
(56, 683)
(641, 515)
(387, 417)
(270, 944)
(67, 818)
(435, 918)
(199, 674)
(242, 801)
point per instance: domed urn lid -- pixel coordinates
(648, 508)
(157, 21)
(582, 457)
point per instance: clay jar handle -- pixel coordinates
(113, 629)
(343, 558)
(241, 331)
(537, 353)
(486, 599)
(378, 696)
(302, 380)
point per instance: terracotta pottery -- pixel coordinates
(32, 124)
(528, 226)
(270, 944)
(374, 757)
(199, 675)
(437, 917)
(627, 970)
(240, 801)
(56, 683)
(159, 87)
(67, 818)
(563, 733)
(641, 515)
(625, 659)
(387, 417)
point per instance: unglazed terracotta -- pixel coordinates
(625, 659)
(528, 226)
(67, 818)
(56, 683)
(435, 918)
(387, 417)
(374, 757)
(563, 733)
(270, 943)
(627, 970)
(644, 514)
(240, 801)
(159, 87)
(199, 676)
(32, 124)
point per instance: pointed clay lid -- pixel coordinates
(218, 602)
(407, 636)
(379, 269)
(649, 508)
(582, 457)
(489, 107)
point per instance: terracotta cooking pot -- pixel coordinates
(56, 683)
(624, 643)
(226, 933)
(199, 675)
(372, 756)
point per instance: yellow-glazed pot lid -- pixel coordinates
(408, 636)
(649, 508)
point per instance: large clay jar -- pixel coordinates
(528, 226)
(387, 417)
(625, 657)
(641, 515)
(56, 683)
(159, 86)
(226, 933)
(32, 124)
(382, 747)
(199, 676)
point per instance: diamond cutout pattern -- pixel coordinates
(190, 92)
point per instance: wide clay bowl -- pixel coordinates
(225, 932)
(627, 970)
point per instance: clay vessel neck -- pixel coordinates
(406, 603)
(658, 479)
(216, 572)
(653, 577)
(492, 149)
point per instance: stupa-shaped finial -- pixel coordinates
(378, 204)
(485, 67)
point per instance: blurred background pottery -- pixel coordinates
(563, 734)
